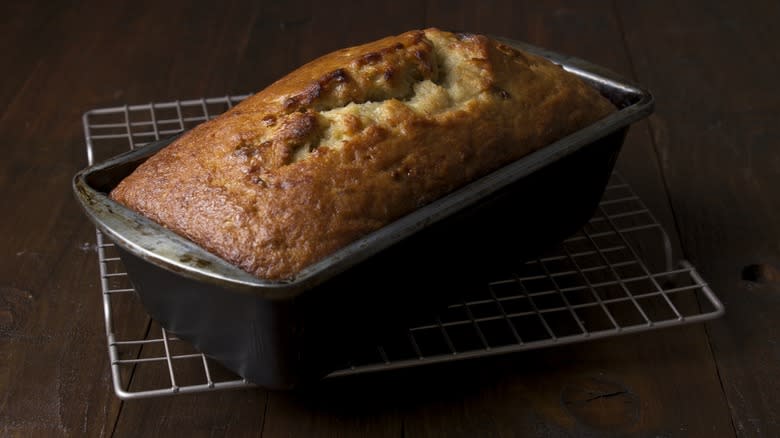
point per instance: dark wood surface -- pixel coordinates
(707, 163)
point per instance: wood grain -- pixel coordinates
(710, 149)
(53, 380)
(716, 134)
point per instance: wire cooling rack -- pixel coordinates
(615, 276)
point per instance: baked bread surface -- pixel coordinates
(352, 141)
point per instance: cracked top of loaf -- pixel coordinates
(352, 141)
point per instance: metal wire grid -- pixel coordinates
(594, 285)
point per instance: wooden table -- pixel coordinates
(707, 163)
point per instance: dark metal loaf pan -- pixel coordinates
(280, 334)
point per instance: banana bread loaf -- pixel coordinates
(352, 141)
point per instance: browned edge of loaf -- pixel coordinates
(352, 141)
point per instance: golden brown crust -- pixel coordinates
(352, 141)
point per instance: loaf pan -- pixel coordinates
(281, 334)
